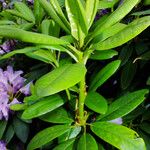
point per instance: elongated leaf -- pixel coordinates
(103, 4)
(102, 55)
(91, 9)
(20, 51)
(38, 12)
(109, 32)
(67, 145)
(60, 79)
(77, 18)
(87, 142)
(43, 55)
(124, 105)
(7, 22)
(47, 135)
(104, 74)
(24, 10)
(21, 129)
(30, 37)
(96, 102)
(58, 115)
(131, 31)
(59, 12)
(116, 16)
(42, 107)
(2, 127)
(119, 136)
(128, 74)
(50, 10)
(9, 134)
(70, 134)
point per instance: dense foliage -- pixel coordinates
(85, 83)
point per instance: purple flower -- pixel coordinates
(3, 145)
(7, 46)
(117, 121)
(101, 13)
(11, 84)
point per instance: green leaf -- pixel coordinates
(119, 136)
(38, 12)
(19, 51)
(145, 126)
(131, 31)
(42, 107)
(30, 37)
(21, 129)
(51, 11)
(102, 55)
(59, 12)
(109, 32)
(103, 4)
(43, 55)
(58, 115)
(116, 16)
(77, 18)
(91, 9)
(146, 139)
(24, 10)
(96, 102)
(87, 142)
(2, 127)
(141, 13)
(124, 105)
(67, 145)
(18, 107)
(9, 134)
(128, 74)
(104, 74)
(60, 79)
(47, 135)
(70, 134)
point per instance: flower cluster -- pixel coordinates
(7, 46)
(11, 85)
(3, 145)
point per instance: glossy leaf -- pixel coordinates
(131, 31)
(102, 55)
(30, 37)
(128, 74)
(104, 74)
(124, 105)
(87, 142)
(59, 12)
(103, 4)
(2, 127)
(43, 55)
(70, 134)
(119, 136)
(24, 10)
(60, 79)
(77, 18)
(21, 129)
(67, 145)
(50, 10)
(47, 135)
(9, 134)
(58, 115)
(42, 107)
(91, 9)
(96, 102)
(109, 32)
(116, 16)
